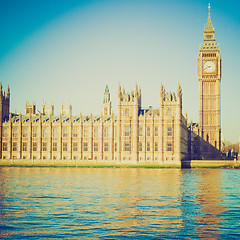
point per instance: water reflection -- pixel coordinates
(110, 203)
(209, 196)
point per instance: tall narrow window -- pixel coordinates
(169, 146)
(85, 132)
(5, 132)
(34, 132)
(127, 146)
(34, 146)
(4, 146)
(140, 147)
(24, 132)
(105, 111)
(127, 131)
(95, 131)
(54, 146)
(156, 147)
(24, 146)
(156, 131)
(44, 132)
(95, 147)
(14, 146)
(148, 132)
(65, 146)
(105, 131)
(106, 147)
(75, 132)
(75, 146)
(44, 146)
(169, 131)
(148, 146)
(14, 132)
(169, 112)
(85, 146)
(55, 132)
(65, 131)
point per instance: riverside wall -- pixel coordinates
(113, 163)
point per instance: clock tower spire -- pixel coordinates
(209, 77)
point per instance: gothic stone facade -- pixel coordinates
(133, 135)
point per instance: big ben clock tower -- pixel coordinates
(209, 77)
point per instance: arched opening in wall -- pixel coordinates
(126, 113)
(169, 112)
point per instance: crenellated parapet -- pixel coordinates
(47, 109)
(133, 97)
(169, 98)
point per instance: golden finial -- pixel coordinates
(209, 7)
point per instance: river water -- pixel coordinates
(90, 203)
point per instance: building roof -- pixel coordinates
(209, 26)
(64, 118)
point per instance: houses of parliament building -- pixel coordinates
(133, 135)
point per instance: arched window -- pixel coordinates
(169, 112)
(126, 113)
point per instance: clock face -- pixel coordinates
(209, 66)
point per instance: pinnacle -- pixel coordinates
(209, 27)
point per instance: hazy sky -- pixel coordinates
(69, 50)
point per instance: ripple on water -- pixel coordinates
(119, 203)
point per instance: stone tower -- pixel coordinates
(129, 105)
(4, 104)
(171, 118)
(107, 107)
(209, 77)
(65, 109)
(4, 111)
(47, 109)
(30, 108)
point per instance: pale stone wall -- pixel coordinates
(133, 136)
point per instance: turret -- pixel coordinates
(4, 104)
(129, 103)
(8, 92)
(107, 107)
(47, 109)
(179, 94)
(162, 93)
(171, 100)
(30, 109)
(65, 109)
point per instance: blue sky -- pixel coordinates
(69, 50)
